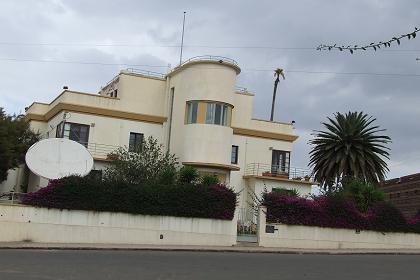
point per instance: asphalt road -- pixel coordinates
(120, 265)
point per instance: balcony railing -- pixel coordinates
(100, 150)
(279, 171)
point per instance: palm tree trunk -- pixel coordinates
(276, 82)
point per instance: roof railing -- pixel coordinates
(220, 59)
(241, 89)
(146, 73)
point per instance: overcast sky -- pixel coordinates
(260, 35)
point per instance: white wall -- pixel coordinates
(18, 223)
(305, 237)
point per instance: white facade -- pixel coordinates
(220, 117)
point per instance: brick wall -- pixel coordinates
(404, 193)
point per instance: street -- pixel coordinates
(101, 264)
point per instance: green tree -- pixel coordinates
(15, 139)
(364, 194)
(188, 175)
(150, 164)
(208, 180)
(349, 148)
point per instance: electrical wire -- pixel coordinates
(244, 69)
(134, 45)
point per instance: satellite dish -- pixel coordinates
(55, 158)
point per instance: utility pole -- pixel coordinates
(182, 39)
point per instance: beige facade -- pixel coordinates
(201, 134)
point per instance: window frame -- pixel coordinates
(235, 159)
(131, 148)
(217, 113)
(283, 166)
(192, 106)
(66, 133)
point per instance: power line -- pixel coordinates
(79, 62)
(134, 45)
(243, 69)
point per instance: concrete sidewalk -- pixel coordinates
(238, 249)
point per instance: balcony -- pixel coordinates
(279, 172)
(100, 151)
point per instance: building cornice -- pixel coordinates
(212, 165)
(264, 134)
(95, 111)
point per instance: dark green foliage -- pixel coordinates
(216, 201)
(292, 192)
(364, 194)
(15, 139)
(188, 175)
(152, 165)
(349, 148)
(208, 180)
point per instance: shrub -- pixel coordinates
(364, 194)
(188, 175)
(414, 223)
(340, 212)
(208, 180)
(150, 165)
(289, 209)
(186, 200)
(336, 211)
(385, 217)
(281, 191)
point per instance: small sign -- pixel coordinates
(269, 229)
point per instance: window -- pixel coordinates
(217, 113)
(234, 155)
(280, 162)
(135, 142)
(192, 108)
(73, 131)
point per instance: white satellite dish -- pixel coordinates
(55, 158)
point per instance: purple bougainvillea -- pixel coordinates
(336, 212)
(215, 201)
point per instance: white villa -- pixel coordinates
(196, 111)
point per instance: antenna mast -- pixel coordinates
(182, 39)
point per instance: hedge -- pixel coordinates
(186, 200)
(336, 212)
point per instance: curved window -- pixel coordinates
(192, 110)
(217, 113)
(208, 113)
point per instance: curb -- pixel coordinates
(215, 250)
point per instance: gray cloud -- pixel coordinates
(306, 98)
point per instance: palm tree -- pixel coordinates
(350, 148)
(277, 73)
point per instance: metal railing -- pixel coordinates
(10, 197)
(100, 150)
(220, 59)
(281, 171)
(146, 73)
(247, 221)
(241, 89)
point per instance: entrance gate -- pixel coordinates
(247, 227)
